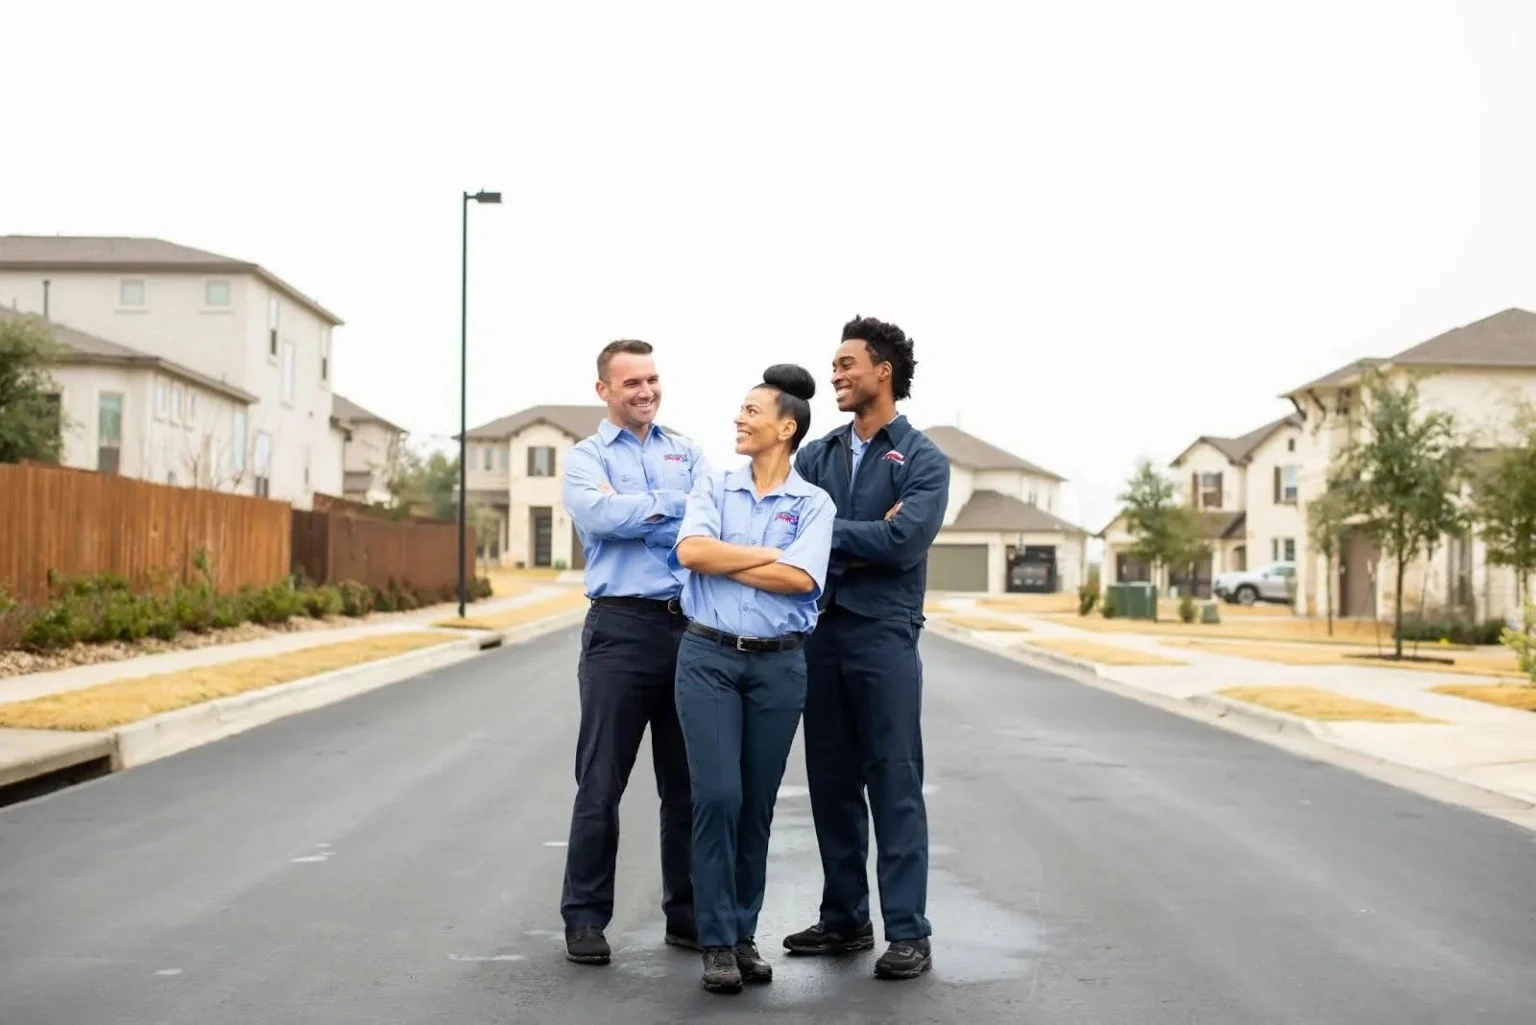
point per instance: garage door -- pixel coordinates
(957, 568)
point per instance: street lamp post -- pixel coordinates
(479, 197)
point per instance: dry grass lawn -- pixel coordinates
(1466, 662)
(520, 615)
(1521, 696)
(1104, 654)
(107, 705)
(1354, 633)
(1312, 703)
(1038, 603)
(986, 623)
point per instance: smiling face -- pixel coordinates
(856, 378)
(759, 425)
(632, 391)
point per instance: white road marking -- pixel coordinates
(555, 843)
(485, 957)
(308, 858)
(169, 971)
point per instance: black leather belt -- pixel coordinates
(665, 606)
(788, 642)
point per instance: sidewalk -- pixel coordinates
(385, 651)
(1386, 713)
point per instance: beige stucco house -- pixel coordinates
(513, 471)
(1246, 490)
(1001, 529)
(131, 413)
(231, 321)
(371, 451)
(1479, 373)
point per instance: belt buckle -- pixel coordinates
(741, 644)
(674, 606)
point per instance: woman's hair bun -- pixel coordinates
(791, 380)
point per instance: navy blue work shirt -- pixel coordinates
(626, 499)
(879, 567)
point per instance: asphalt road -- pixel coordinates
(389, 860)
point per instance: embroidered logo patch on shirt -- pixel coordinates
(787, 517)
(675, 457)
(895, 457)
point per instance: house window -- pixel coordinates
(489, 454)
(109, 431)
(505, 454)
(263, 486)
(216, 293)
(239, 442)
(541, 461)
(162, 399)
(1282, 549)
(1287, 484)
(1210, 490)
(191, 406)
(130, 292)
(325, 354)
(1290, 444)
(175, 403)
(288, 372)
(272, 326)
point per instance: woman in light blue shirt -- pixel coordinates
(755, 543)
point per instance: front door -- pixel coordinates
(1357, 578)
(543, 525)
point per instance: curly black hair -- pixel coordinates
(887, 344)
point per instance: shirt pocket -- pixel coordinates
(676, 475)
(780, 533)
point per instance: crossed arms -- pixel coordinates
(902, 538)
(798, 569)
(606, 515)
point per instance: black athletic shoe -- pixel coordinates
(585, 944)
(753, 967)
(905, 959)
(682, 934)
(818, 939)
(720, 972)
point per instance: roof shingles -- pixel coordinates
(993, 512)
(971, 452)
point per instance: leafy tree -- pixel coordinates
(1406, 469)
(1504, 490)
(31, 423)
(1325, 525)
(1167, 533)
(426, 485)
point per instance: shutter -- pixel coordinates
(1221, 499)
(1277, 485)
(1194, 490)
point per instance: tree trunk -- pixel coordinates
(1328, 587)
(1397, 632)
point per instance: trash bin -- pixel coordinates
(1134, 600)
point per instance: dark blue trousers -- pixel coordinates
(739, 712)
(863, 733)
(626, 673)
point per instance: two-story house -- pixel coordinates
(371, 452)
(1001, 529)
(1247, 492)
(1479, 373)
(127, 412)
(231, 321)
(513, 472)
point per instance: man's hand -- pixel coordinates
(893, 510)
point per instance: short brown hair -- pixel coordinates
(633, 346)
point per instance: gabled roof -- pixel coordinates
(971, 452)
(994, 511)
(82, 348)
(1219, 526)
(105, 253)
(1506, 339)
(349, 412)
(1240, 450)
(577, 421)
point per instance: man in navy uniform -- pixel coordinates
(863, 705)
(626, 488)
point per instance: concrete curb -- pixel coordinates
(1257, 715)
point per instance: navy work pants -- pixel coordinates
(863, 732)
(628, 664)
(739, 712)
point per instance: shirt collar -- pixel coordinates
(610, 431)
(795, 486)
(897, 430)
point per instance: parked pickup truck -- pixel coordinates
(1273, 583)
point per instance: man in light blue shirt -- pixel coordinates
(625, 489)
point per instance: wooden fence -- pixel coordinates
(347, 542)
(79, 523)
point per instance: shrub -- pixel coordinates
(320, 602)
(1107, 607)
(1087, 598)
(1187, 608)
(1523, 642)
(1452, 629)
(357, 600)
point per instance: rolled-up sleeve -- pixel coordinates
(812, 547)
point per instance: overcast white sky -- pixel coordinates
(1110, 227)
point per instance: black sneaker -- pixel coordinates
(682, 934)
(753, 967)
(905, 959)
(818, 939)
(585, 944)
(720, 972)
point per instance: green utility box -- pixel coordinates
(1134, 600)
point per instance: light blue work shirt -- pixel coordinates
(795, 517)
(856, 445)
(628, 532)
